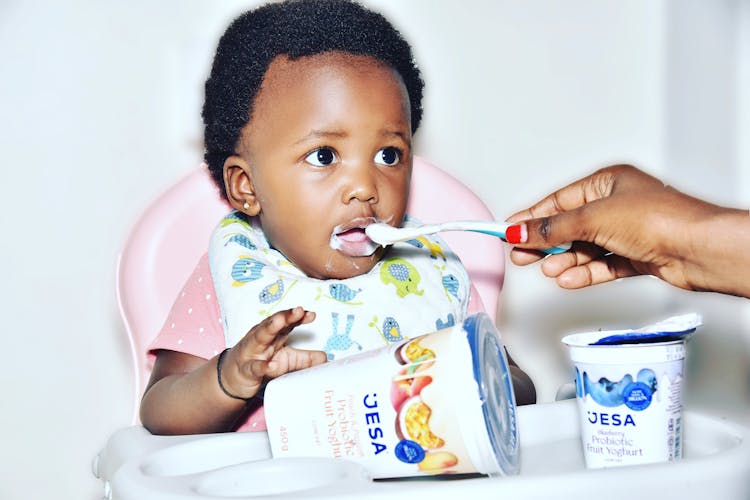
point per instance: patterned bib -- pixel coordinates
(419, 286)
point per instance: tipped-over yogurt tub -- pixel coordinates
(629, 391)
(441, 403)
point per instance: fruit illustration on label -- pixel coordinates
(437, 462)
(414, 424)
(413, 413)
(412, 352)
(403, 389)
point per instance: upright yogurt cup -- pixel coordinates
(440, 403)
(629, 392)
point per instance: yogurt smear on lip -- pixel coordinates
(351, 239)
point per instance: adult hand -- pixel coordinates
(625, 222)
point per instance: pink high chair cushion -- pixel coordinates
(172, 234)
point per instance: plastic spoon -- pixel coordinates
(384, 235)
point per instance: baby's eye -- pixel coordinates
(388, 156)
(321, 157)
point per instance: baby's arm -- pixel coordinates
(184, 395)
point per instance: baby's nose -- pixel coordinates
(361, 184)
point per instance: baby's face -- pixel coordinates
(328, 149)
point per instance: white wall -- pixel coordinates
(101, 105)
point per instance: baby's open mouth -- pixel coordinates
(353, 235)
(352, 240)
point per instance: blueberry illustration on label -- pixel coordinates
(637, 396)
(606, 392)
(579, 384)
(648, 377)
(409, 452)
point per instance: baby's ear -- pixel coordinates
(239, 185)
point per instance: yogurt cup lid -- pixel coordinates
(495, 385)
(673, 329)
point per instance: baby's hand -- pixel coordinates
(263, 353)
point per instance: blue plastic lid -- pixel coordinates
(668, 330)
(495, 384)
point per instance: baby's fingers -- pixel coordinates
(273, 330)
(299, 359)
(290, 359)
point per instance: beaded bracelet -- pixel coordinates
(221, 384)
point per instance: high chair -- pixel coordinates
(168, 239)
(161, 251)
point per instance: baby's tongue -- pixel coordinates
(353, 235)
(354, 242)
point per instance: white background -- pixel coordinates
(100, 104)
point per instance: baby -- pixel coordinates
(309, 114)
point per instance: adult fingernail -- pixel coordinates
(516, 234)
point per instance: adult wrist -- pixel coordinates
(725, 263)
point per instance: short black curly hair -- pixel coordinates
(295, 28)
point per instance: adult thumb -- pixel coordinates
(549, 231)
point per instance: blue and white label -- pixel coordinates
(626, 410)
(409, 452)
(637, 396)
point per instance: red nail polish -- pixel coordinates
(516, 234)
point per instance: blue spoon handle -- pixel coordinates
(501, 234)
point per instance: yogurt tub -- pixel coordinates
(629, 396)
(440, 403)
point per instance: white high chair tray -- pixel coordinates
(136, 465)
